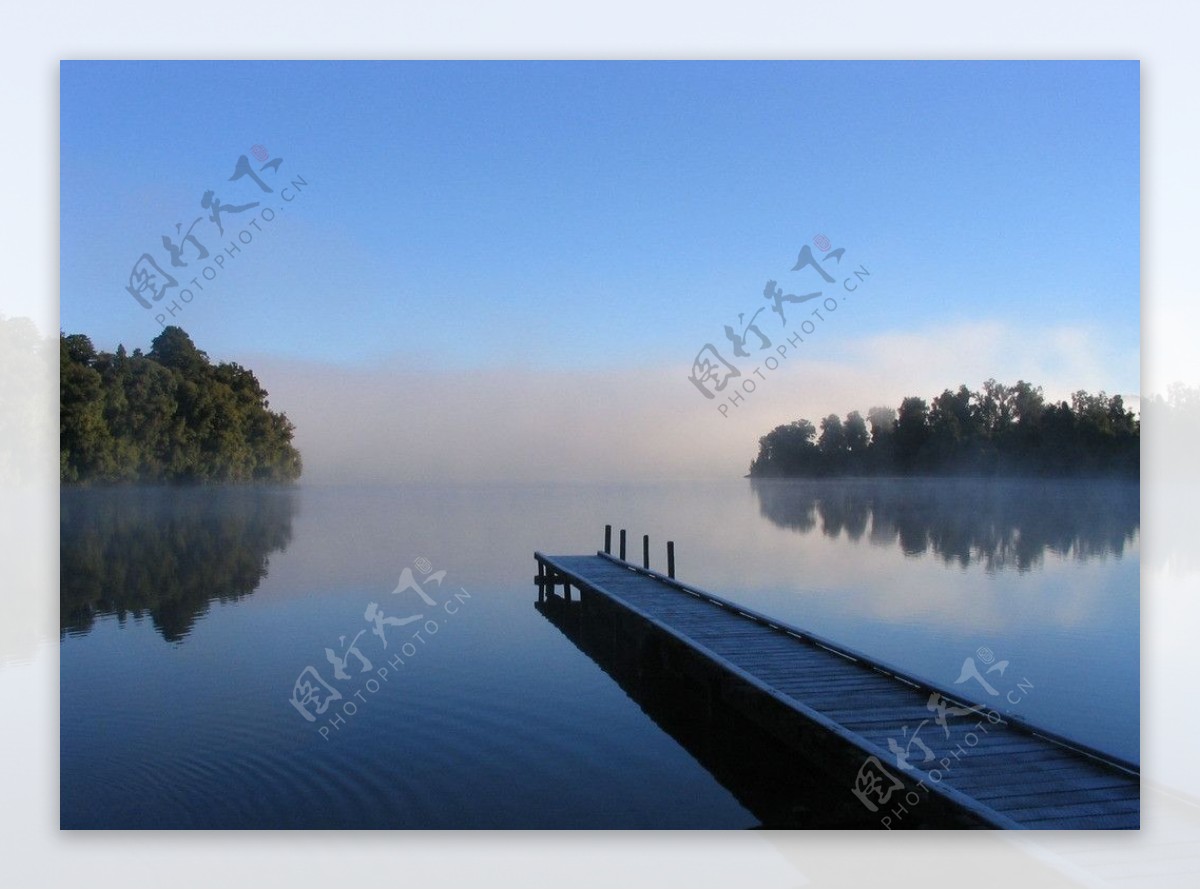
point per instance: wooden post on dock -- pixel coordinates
(608, 539)
(670, 559)
(622, 544)
(645, 551)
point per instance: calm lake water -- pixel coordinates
(191, 618)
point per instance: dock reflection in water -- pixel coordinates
(781, 788)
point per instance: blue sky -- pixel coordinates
(600, 218)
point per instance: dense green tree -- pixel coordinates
(174, 349)
(833, 445)
(997, 430)
(1028, 403)
(857, 438)
(788, 450)
(912, 434)
(85, 441)
(167, 416)
(953, 430)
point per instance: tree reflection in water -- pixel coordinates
(165, 553)
(1000, 524)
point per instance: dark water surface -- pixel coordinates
(191, 618)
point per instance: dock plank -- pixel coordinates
(1012, 775)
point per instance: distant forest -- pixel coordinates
(996, 431)
(169, 415)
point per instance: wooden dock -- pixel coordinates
(907, 753)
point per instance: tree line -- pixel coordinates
(996, 430)
(169, 415)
